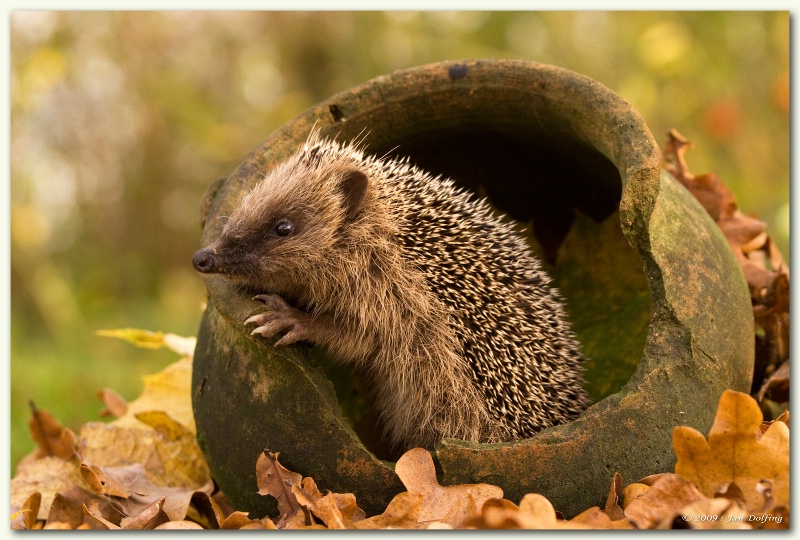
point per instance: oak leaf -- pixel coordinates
(662, 501)
(51, 437)
(402, 512)
(462, 511)
(735, 453)
(593, 517)
(716, 513)
(116, 405)
(416, 470)
(613, 509)
(48, 476)
(337, 510)
(276, 480)
(67, 507)
(133, 493)
(27, 516)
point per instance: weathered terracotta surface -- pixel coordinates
(541, 142)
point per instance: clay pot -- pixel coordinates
(657, 299)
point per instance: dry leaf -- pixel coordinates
(632, 492)
(163, 442)
(168, 461)
(152, 340)
(664, 500)
(416, 470)
(594, 518)
(776, 387)
(208, 512)
(239, 520)
(27, 516)
(58, 525)
(534, 512)
(783, 417)
(612, 509)
(48, 476)
(337, 510)
(622, 524)
(717, 513)
(403, 512)
(462, 511)
(169, 390)
(150, 518)
(734, 453)
(105, 484)
(178, 525)
(116, 405)
(67, 507)
(326, 509)
(276, 480)
(129, 487)
(538, 507)
(95, 521)
(51, 437)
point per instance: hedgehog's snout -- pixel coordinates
(204, 261)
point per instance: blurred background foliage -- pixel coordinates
(119, 121)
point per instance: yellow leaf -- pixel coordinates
(137, 336)
(152, 340)
(735, 453)
(168, 390)
(168, 451)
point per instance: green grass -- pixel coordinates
(64, 378)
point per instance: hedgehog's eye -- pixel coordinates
(284, 228)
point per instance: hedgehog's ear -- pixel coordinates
(354, 186)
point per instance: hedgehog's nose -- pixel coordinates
(203, 261)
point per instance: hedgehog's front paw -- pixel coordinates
(281, 317)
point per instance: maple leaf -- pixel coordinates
(736, 452)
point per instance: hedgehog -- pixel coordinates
(435, 299)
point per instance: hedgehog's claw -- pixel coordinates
(281, 317)
(273, 301)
